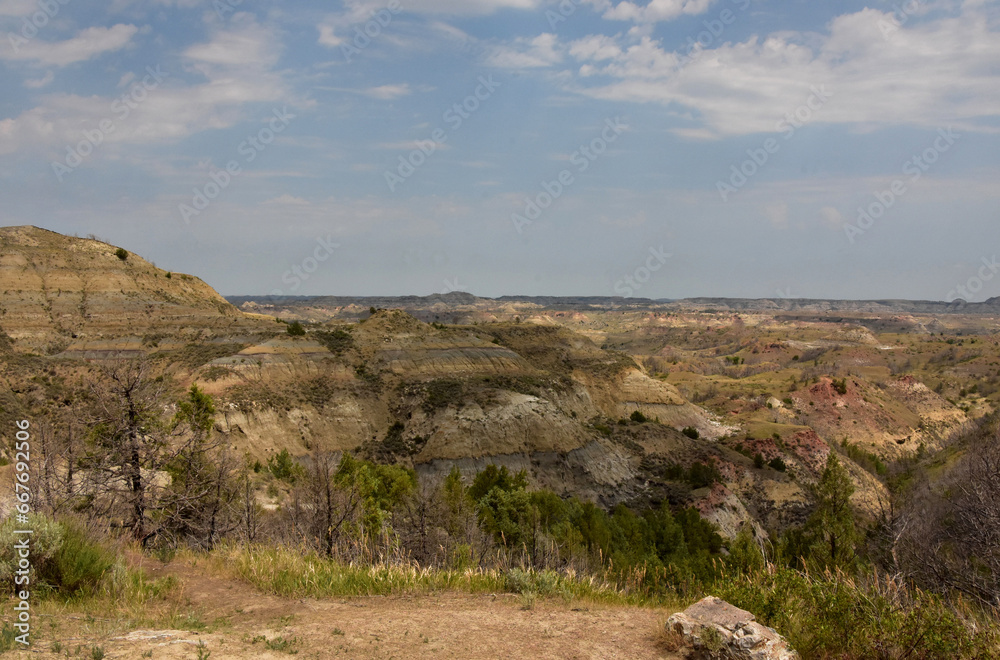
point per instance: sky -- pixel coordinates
(660, 149)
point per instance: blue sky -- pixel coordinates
(660, 149)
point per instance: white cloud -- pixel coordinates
(381, 92)
(407, 145)
(247, 44)
(327, 37)
(596, 48)
(453, 7)
(86, 44)
(236, 64)
(656, 10)
(936, 73)
(337, 28)
(37, 83)
(527, 53)
(388, 92)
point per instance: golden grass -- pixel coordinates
(290, 573)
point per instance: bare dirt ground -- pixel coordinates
(247, 624)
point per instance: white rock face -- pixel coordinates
(714, 629)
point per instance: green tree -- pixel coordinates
(492, 477)
(509, 516)
(377, 488)
(701, 475)
(196, 413)
(282, 466)
(199, 505)
(832, 523)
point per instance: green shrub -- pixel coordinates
(701, 475)
(64, 558)
(691, 432)
(80, 563)
(336, 341)
(835, 615)
(295, 329)
(284, 467)
(675, 472)
(441, 393)
(493, 477)
(638, 417)
(7, 637)
(121, 254)
(777, 464)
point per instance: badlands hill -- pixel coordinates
(56, 289)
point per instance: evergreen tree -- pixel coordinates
(832, 524)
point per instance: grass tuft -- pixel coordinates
(293, 574)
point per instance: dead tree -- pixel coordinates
(127, 441)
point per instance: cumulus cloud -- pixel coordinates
(657, 10)
(236, 64)
(934, 73)
(459, 7)
(595, 48)
(327, 37)
(527, 53)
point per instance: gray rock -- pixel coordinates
(713, 629)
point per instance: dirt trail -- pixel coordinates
(450, 625)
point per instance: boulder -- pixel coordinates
(713, 629)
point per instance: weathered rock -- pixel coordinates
(712, 628)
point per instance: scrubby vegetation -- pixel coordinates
(917, 578)
(336, 341)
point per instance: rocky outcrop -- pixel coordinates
(713, 629)
(59, 290)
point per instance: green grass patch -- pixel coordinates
(293, 574)
(834, 615)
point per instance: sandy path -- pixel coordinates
(446, 625)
